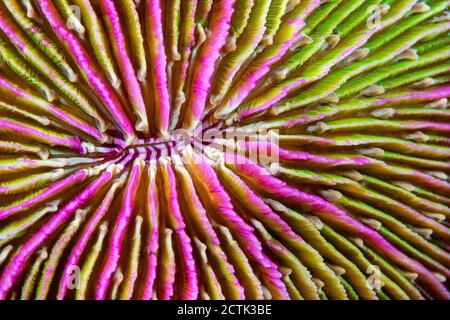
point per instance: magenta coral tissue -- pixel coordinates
(224, 149)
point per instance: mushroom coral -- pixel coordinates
(224, 149)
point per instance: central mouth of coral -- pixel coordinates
(154, 148)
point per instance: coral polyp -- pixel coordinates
(224, 149)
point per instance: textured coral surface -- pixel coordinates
(224, 149)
